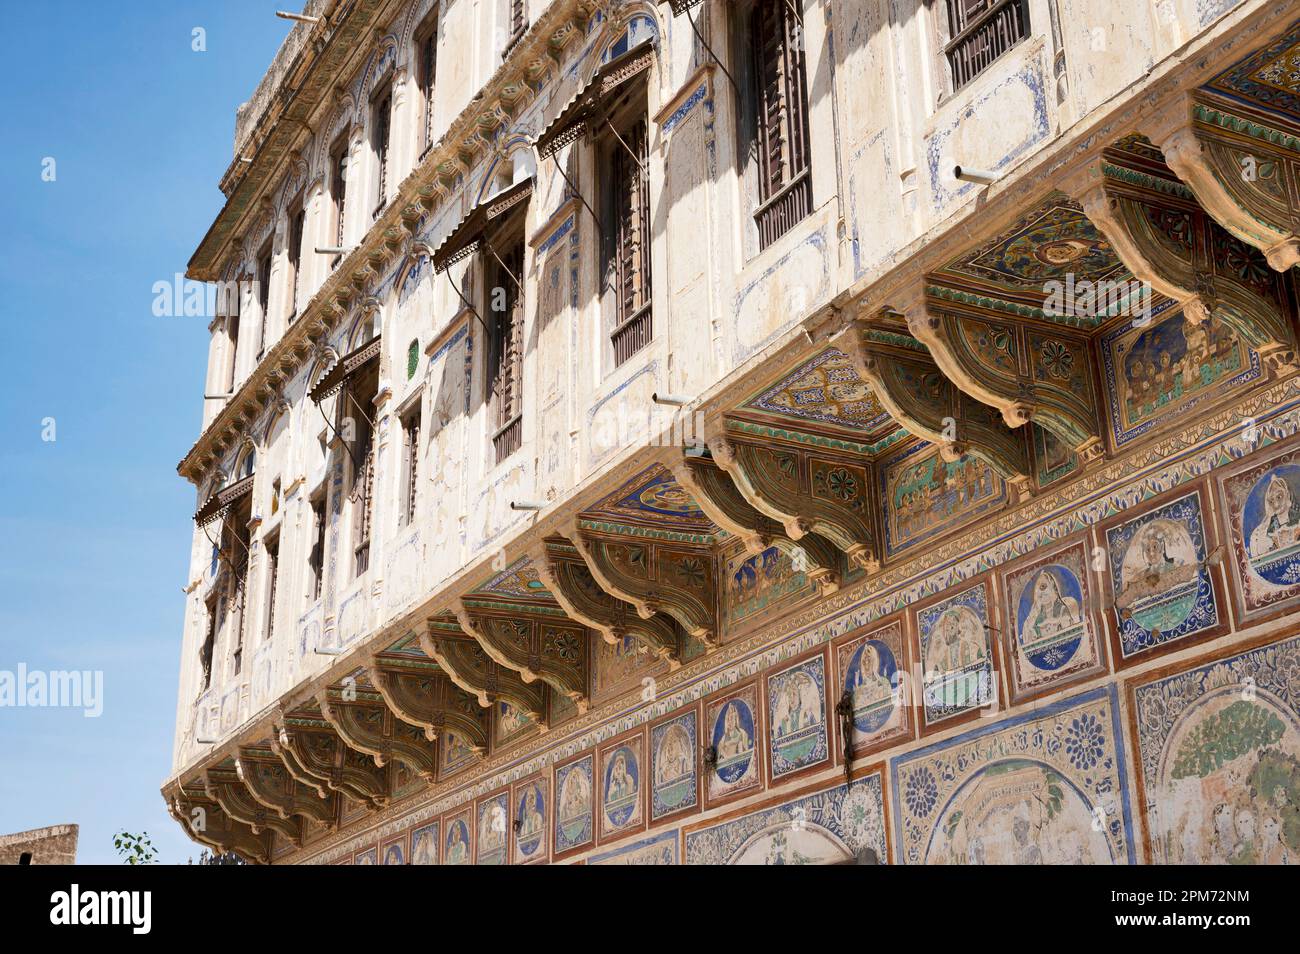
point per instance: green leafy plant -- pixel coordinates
(135, 849)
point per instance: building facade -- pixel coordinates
(756, 431)
(53, 845)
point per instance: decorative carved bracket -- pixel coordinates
(1245, 172)
(225, 787)
(912, 387)
(1165, 238)
(368, 726)
(562, 568)
(429, 700)
(271, 784)
(207, 823)
(807, 492)
(655, 576)
(324, 756)
(546, 648)
(1024, 371)
(717, 495)
(467, 665)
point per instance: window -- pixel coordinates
(979, 31)
(235, 540)
(411, 462)
(506, 349)
(339, 188)
(316, 558)
(381, 123)
(232, 349)
(774, 116)
(275, 496)
(518, 18)
(297, 222)
(428, 57)
(359, 401)
(627, 240)
(272, 579)
(209, 642)
(263, 296)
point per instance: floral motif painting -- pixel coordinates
(622, 787)
(658, 850)
(956, 655)
(796, 717)
(829, 826)
(674, 745)
(573, 805)
(1262, 503)
(1162, 588)
(531, 801)
(732, 731)
(1045, 787)
(458, 839)
(1052, 636)
(872, 670)
(925, 495)
(1219, 745)
(424, 845)
(492, 829)
(1157, 372)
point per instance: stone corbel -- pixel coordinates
(462, 658)
(226, 788)
(207, 823)
(655, 577)
(372, 730)
(1245, 174)
(807, 493)
(429, 700)
(563, 570)
(1167, 240)
(717, 495)
(1025, 372)
(531, 647)
(271, 784)
(915, 391)
(324, 756)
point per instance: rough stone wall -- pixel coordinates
(55, 845)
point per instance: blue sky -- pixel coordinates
(95, 525)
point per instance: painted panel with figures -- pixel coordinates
(872, 675)
(733, 756)
(394, 851)
(955, 651)
(1045, 787)
(621, 768)
(1219, 752)
(798, 739)
(531, 803)
(1051, 637)
(424, 845)
(574, 805)
(660, 849)
(458, 837)
(1261, 501)
(492, 829)
(674, 750)
(924, 495)
(816, 827)
(757, 587)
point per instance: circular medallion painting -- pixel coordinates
(674, 768)
(1270, 521)
(1159, 576)
(1049, 617)
(528, 814)
(733, 740)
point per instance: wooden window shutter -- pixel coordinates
(781, 104)
(629, 264)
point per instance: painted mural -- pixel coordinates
(1046, 787)
(1053, 459)
(622, 788)
(732, 729)
(925, 495)
(573, 804)
(424, 845)
(956, 655)
(658, 850)
(1161, 585)
(455, 753)
(529, 820)
(1155, 371)
(872, 671)
(1262, 503)
(673, 747)
(492, 830)
(368, 857)
(395, 852)
(829, 826)
(1220, 758)
(1053, 636)
(757, 584)
(510, 722)
(456, 841)
(619, 666)
(796, 717)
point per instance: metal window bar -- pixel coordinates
(980, 32)
(428, 67)
(630, 264)
(383, 127)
